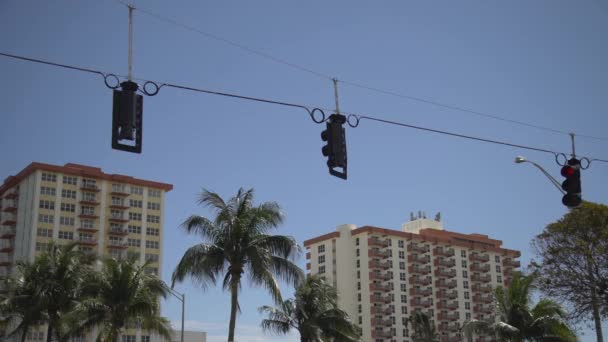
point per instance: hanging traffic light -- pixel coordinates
(127, 118)
(572, 184)
(335, 149)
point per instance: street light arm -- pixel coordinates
(547, 174)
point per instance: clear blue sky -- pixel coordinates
(542, 62)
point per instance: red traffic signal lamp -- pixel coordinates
(335, 149)
(572, 184)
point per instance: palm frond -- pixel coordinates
(202, 263)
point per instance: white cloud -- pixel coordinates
(218, 332)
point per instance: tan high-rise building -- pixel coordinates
(106, 214)
(384, 275)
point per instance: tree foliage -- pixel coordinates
(423, 329)
(314, 313)
(573, 262)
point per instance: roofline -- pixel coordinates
(80, 170)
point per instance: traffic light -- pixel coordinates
(572, 184)
(127, 118)
(335, 149)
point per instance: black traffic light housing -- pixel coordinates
(127, 118)
(335, 149)
(572, 185)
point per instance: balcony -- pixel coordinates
(119, 205)
(443, 251)
(414, 247)
(455, 327)
(508, 281)
(418, 259)
(484, 309)
(10, 222)
(380, 299)
(6, 261)
(89, 187)
(117, 244)
(118, 218)
(508, 262)
(88, 215)
(7, 233)
(118, 231)
(508, 272)
(381, 334)
(445, 262)
(479, 257)
(453, 305)
(419, 270)
(374, 241)
(378, 264)
(420, 280)
(119, 191)
(418, 303)
(12, 194)
(87, 229)
(482, 288)
(451, 338)
(87, 241)
(376, 253)
(11, 207)
(379, 276)
(421, 292)
(486, 278)
(445, 273)
(480, 268)
(446, 284)
(443, 294)
(91, 202)
(379, 287)
(484, 299)
(382, 322)
(378, 310)
(7, 247)
(448, 316)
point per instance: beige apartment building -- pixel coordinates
(383, 275)
(106, 214)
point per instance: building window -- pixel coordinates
(468, 316)
(154, 193)
(463, 253)
(145, 339)
(465, 274)
(153, 218)
(66, 235)
(119, 188)
(134, 229)
(401, 265)
(66, 221)
(404, 310)
(133, 242)
(136, 203)
(87, 223)
(360, 320)
(359, 285)
(360, 309)
(497, 258)
(153, 206)
(499, 279)
(152, 270)
(49, 177)
(45, 190)
(46, 218)
(88, 210)
(401, 244)
(128, 338)
(70, 180)
(321, 259)
(358, 274)
(322, 269)
(152, 244)
(71, 208)
(152, 257)
(134, 216)
(401, 254)
(403, 287)
(358, 263)
(498, 268)
(90, 197)
(402, 276)
(465, 284)
(68, 193)
(466, 295)
(321, 248)
(136, 190)
(44, 232)
(153, 231)
(50, 205)
(357, 241)
(357, 252)
(467, 305)
(40, 246)
(464, 263)
(403, 298)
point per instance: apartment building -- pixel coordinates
(383, 275)
(106, 214)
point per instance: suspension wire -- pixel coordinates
(357, 117)
(353, 84)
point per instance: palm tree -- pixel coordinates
(313, 313)
(517, 321)
(237, 243)
(22, 306)
(423, 329)
(119, 296)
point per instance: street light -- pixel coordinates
(520, 160)
(182, 298)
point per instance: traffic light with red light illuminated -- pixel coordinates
(335, 149)
(572, 185)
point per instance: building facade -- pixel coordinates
(384, 275)
(106, 214)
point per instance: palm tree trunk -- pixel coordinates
(234, 292)
(24, 335)
(49, 332)
(595, 307)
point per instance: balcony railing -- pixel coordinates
(420, 280)
(89, 187)
(417, 303)
(382, 322)
(445, 262)
(378, 310)
(120, 191)
(378, 264)
(480, 268)
(418, 259)
(6, 261)
(117, 244)
(448, 316)
(455, 327)
(381, 334)
(7, 232)
(445, 273)
(378, 253)
(419, 270)
(447, 294)
(379, 276)
(87, 241)
(478, 298)
(482, 288)
(446, 284)
(447, 305)
(443, 251)
(485, 309)
(380, 299)
(421, 292)
(414, 247)
(87, 229)
(379, 287)
(118, 231)
(486, 278)
(479, 257)
(118, 218)
(377, 242)
(508, 262)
